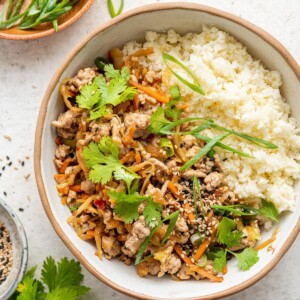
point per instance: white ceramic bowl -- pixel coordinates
(131, 26)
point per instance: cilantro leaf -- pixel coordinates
(103, 160)
(127, 205)
(269, 210)
(152, 212)
(220, 260)
(97, 95)
(89, 96)
(247, 258)
(158, 121)
(226, 234)
(62, 279)
(121, 174)
(29, 288)
(62, 294)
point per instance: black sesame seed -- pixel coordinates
(5, 194)
(23, 163)
(9, 164)
(21, 209)
(7, 157)
(3, 168)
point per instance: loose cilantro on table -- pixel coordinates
(59, 281)
(103, 160)
(127, 207)
(99, 94)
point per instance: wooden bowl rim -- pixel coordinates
(40, 34)
(43, 111)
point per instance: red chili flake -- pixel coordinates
(100, 203)
(58, 141)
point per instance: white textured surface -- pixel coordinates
(25, 71)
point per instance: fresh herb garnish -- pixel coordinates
(37, 12)
(111, 8)
(268, 210)
(173, 219)
(62, 282)
(103, 160)
(227, 233)
(246, 259)
(197, 196)
(167, 146)
(195, 86)
(127, 207)
(99, 94)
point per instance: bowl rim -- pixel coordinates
(47, 32)
(43, 110)
(23, 239)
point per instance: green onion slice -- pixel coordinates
(111, 8)
(204, 150)
(175, 92)
(196, 86)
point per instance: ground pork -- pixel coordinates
(111, 246)
(62, 151)
(83, 77)
(87, 186)
(139, 121)
(139, 231)
(213, 180)
(170, 265)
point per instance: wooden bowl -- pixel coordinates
(46, 29)
(183, 17)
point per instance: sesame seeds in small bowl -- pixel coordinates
(13, 251)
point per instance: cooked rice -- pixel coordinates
(243, 95)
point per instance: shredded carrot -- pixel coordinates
(98, 231)
(157, 197)
(84, 196)
(142, 52)
(184, 106)
(136, 102)
(185, 258)
(132, 131)
(138, 158)
(150, 92)
(127, 157)
(189, 213)
(160, 91)
(206, 274)
(204, 245)
(64, 165)
(174, 190)
(105, 196)
(98, 187)
(195, 268)
(268, 241)
(224, 270)
(75, 188)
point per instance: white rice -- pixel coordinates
(240, 94)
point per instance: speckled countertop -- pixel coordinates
(25, 71)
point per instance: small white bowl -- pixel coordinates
(20, 250)
(183, 18)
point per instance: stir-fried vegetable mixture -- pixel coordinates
(142, 178)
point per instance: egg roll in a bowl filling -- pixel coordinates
(174, 154)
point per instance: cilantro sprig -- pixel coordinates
(246, 259)
(127, 207)
(96, 96)
(227, 233)
(267, 210)
(103, 160)
(59, 281)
